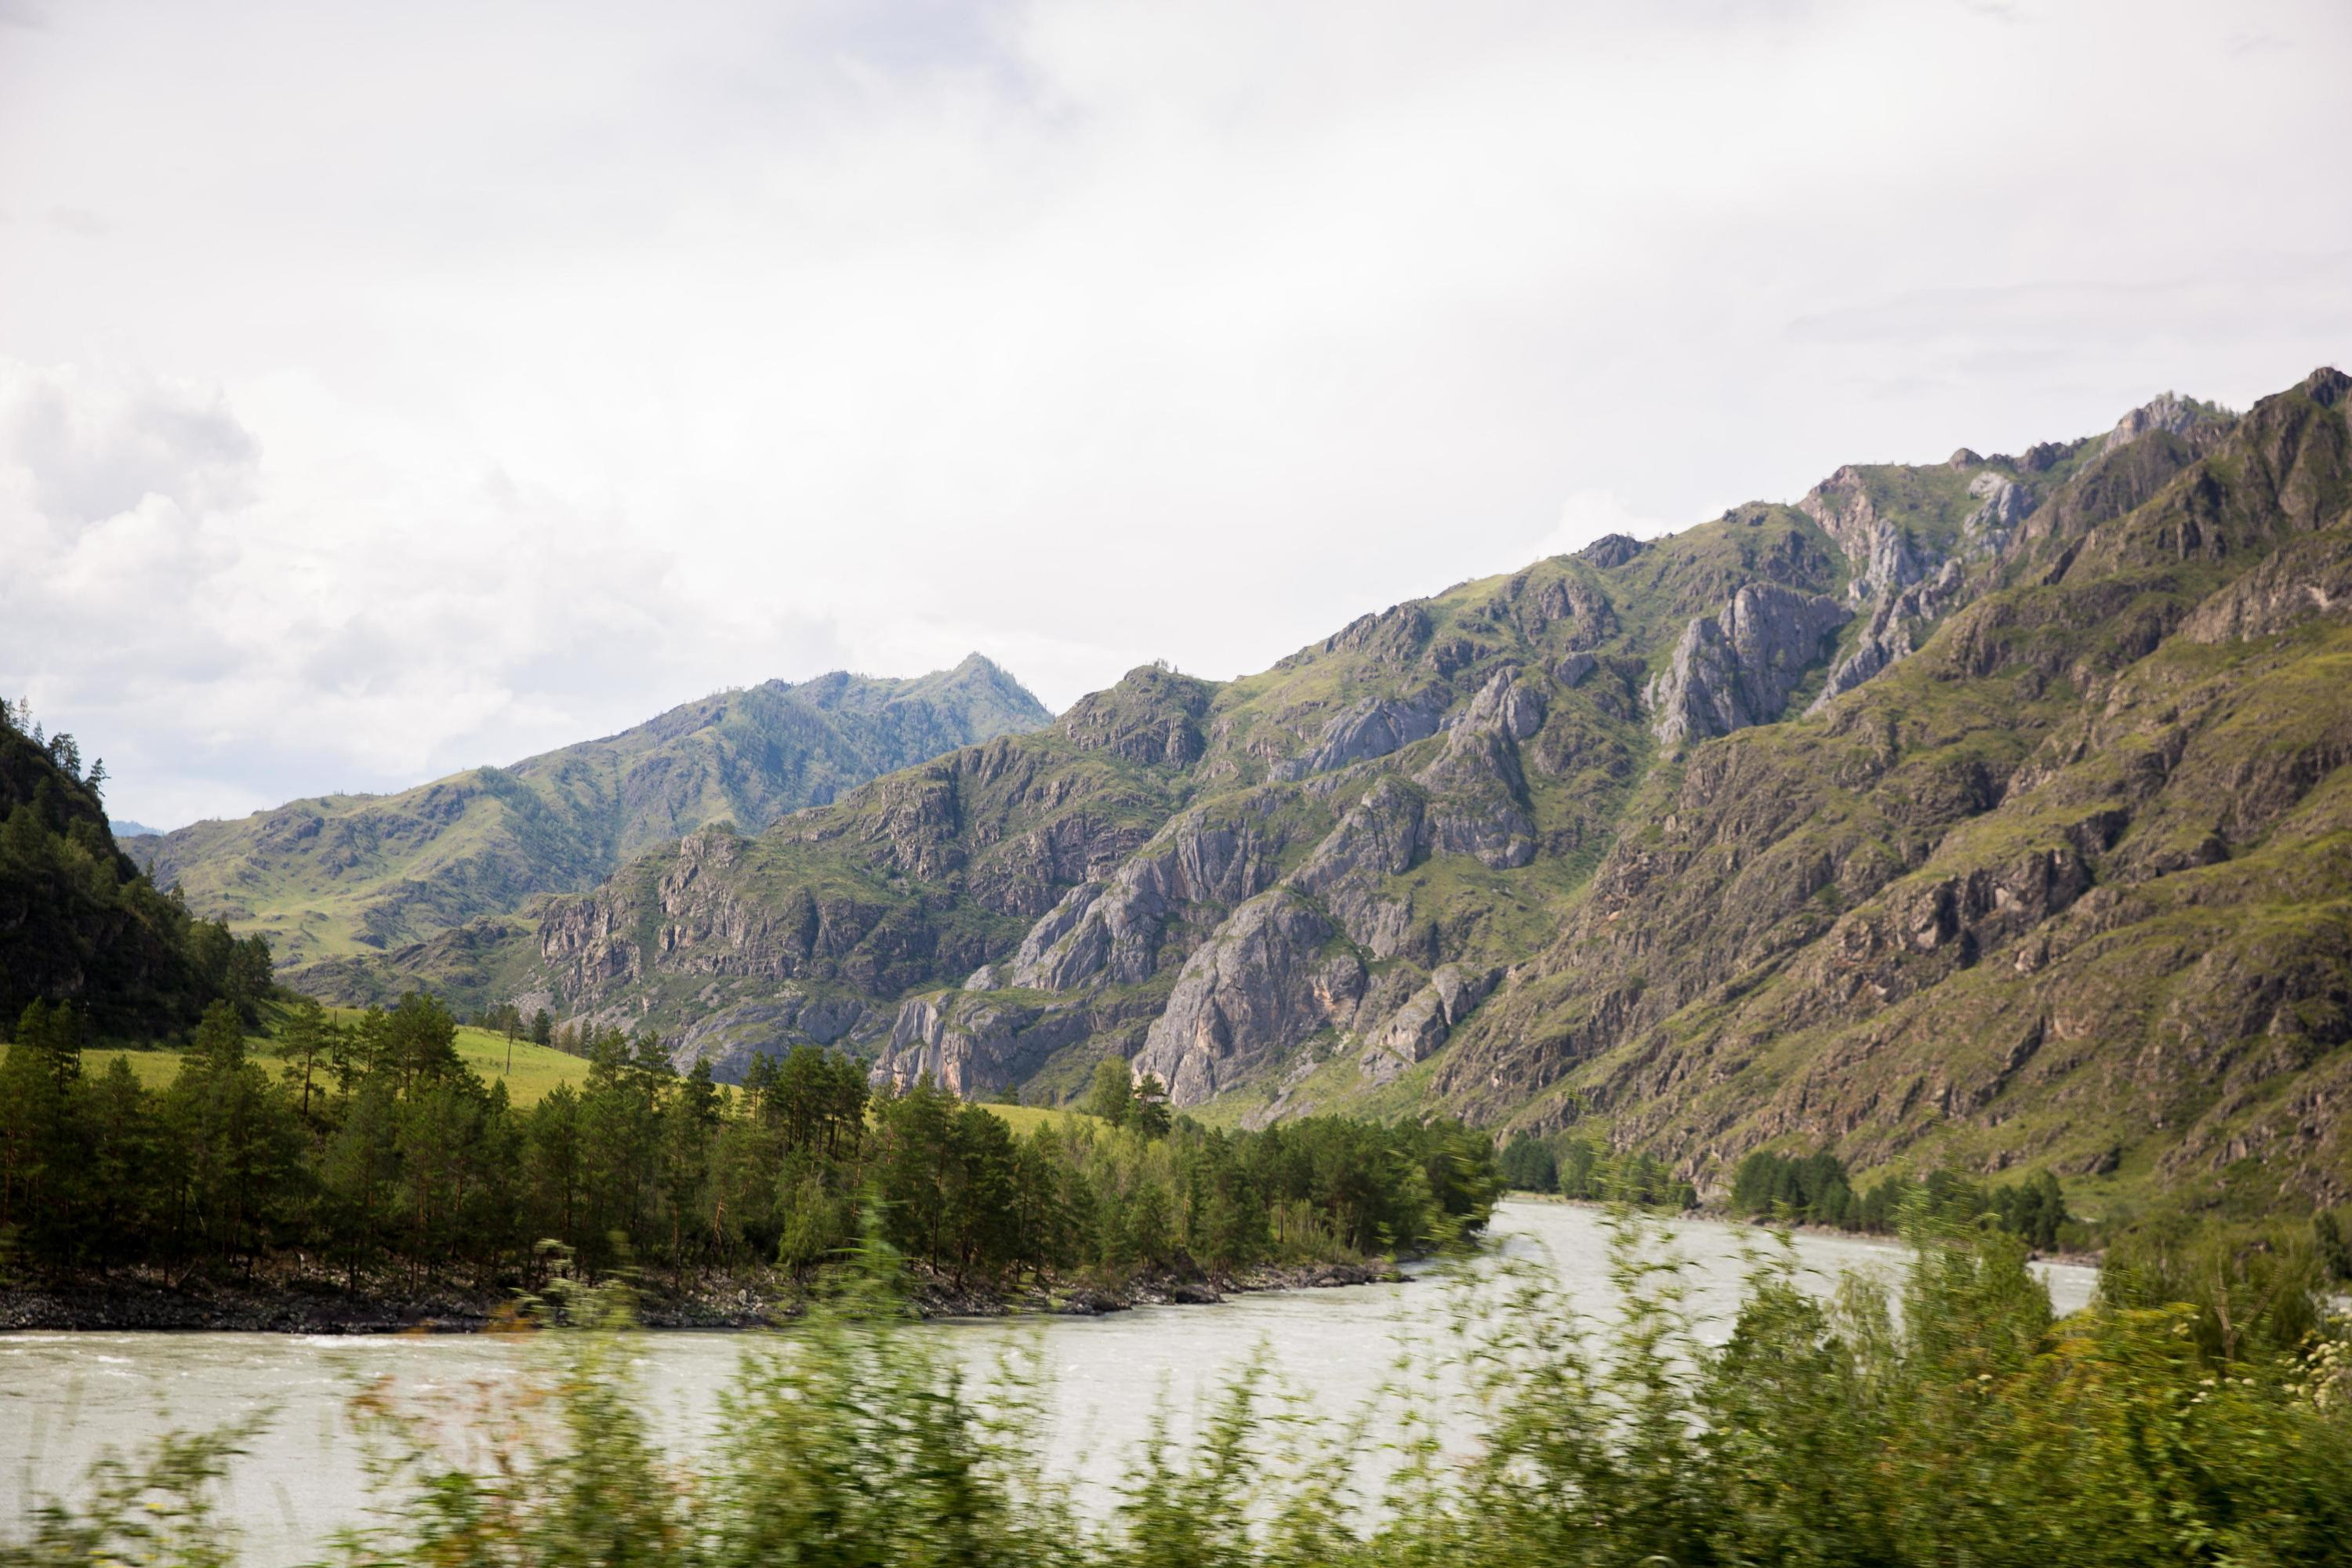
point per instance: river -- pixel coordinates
(66, 1396)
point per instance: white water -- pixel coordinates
(66, 1396)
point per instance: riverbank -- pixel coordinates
(294, 1300)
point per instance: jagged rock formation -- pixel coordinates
(975, 1047)
(1988, 811)
(1737, 668)
(1898, 623)
(337, 881)
(732, 1038)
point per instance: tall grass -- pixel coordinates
(1954, 1423)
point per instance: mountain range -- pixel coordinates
(337, 880)
(1993, 812)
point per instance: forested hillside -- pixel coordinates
(335, 880)
(80, 926)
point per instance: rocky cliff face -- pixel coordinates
(1737, 668)
(1935, 816)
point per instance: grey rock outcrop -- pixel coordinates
(2002, 504)
(1278, 972)
(1477, 800)
(971, 1048)
(1901, 620)
(1112, 930)
(1373, 727)
(1885, 556)
(1507, 703)
(1152, 715)
(1416, 1030)
(697, 923)
(1612, 550)
(733, 1038)
(2172, 412)
(1893, 561)
(1842, 505)
(2309, 578)
(1380, 835)
(1897, 626)
(1260, 987)
(1737, 667)
(1393, 636)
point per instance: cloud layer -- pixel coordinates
(392, 389)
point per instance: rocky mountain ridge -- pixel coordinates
(1831, 822)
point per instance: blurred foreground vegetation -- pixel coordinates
(1955, 1424)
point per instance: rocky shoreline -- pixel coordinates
(312, 1304)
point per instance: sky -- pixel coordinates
(386, 390)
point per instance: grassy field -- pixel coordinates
(1026, 1119)
(537, 1068)
(536, 1071)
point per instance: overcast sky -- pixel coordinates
(385, 389)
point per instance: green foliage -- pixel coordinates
(1529, 1164)
(1574, 1168)
(966, 1199)
(1111, 1093)
(2331, 1253)
(1815, 1189)
(2256, 1291)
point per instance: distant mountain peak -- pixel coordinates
(327, 878)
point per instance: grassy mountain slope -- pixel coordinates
(339, 876)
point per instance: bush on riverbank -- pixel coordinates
(1960, 1425)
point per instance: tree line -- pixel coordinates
(1816, 1189)
(373, 1147)
(1577, 1168)
(1810, 1189)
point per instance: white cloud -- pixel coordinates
(531, 367)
